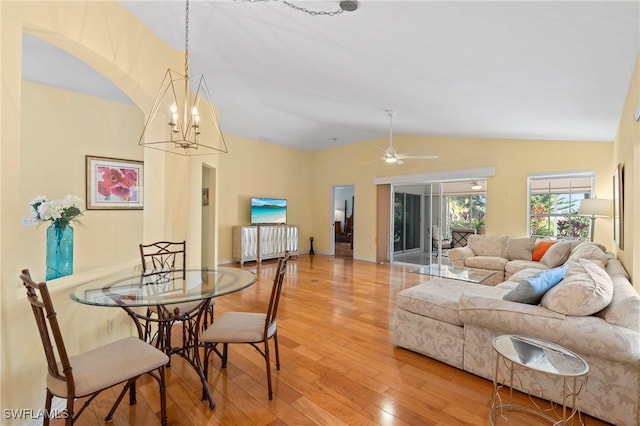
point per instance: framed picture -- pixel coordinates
(618, 206)
(114, 184)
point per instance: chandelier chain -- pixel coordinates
(186, 41)
(302, 9)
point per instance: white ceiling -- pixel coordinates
(537, 69)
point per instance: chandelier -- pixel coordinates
(183, 120)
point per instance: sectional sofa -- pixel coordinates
(507, 255)
(593, 311)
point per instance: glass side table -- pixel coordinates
(519, 353)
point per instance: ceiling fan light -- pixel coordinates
(390, 159)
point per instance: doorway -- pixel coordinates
(208, 242)
(343, 220)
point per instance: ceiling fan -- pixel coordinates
(392, 156)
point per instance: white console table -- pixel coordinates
(261, 242)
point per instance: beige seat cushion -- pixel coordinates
(492, 263)
(514, 266)
(585, 290)
(109, 365)
(237, 327)
(439, 298)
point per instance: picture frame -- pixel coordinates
(618, 206)
(114, 183)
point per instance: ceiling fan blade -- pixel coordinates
(418, 157)
(399, 162)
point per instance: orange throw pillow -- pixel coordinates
(540, 249)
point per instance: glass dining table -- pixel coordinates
(161, 289)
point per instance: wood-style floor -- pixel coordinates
(338, 364)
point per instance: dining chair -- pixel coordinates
(157, 259)
(87, 374)
(437, 241)
(254, 328)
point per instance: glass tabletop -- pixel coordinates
(164, 287)
(540, 355)
(455, 272)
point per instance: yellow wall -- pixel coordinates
(513, 160)
(59, 128)
(258, 169)
(627, 152)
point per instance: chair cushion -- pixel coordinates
(585, 290)
(109, 365)
(237, 327)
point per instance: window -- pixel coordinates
(467, 211)
(554, 201)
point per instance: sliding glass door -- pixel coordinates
(406, 222)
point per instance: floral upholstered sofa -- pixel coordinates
(508, 255)
(593, 311)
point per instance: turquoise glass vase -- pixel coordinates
(59, 251)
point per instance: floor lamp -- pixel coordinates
(595, 207)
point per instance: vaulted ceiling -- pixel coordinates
(498, 69)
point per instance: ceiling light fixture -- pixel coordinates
(189, 123)
(476, 186)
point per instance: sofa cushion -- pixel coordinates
(439, 298)
(557, 254)
(585, 289)
(488, 245)
(540, 249)
(520, 276)
(590, 251)
(624, 309)
(531, 289)
(493, 263)
(520, 248)
(515, 266)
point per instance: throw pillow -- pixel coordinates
(531, 289)
(540, 249)
(585, 290)
(590, 251)
(557, 254)
(520, 248)
(487, 245)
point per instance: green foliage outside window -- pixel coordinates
(555, 215)
(467, 211)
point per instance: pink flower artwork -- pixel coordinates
(117, 184)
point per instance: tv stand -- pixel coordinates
(262, 242)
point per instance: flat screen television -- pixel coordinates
(268, 211)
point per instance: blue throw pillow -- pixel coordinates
(531, 289)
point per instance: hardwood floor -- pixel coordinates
(338, 365)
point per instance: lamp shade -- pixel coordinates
(595, 207)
